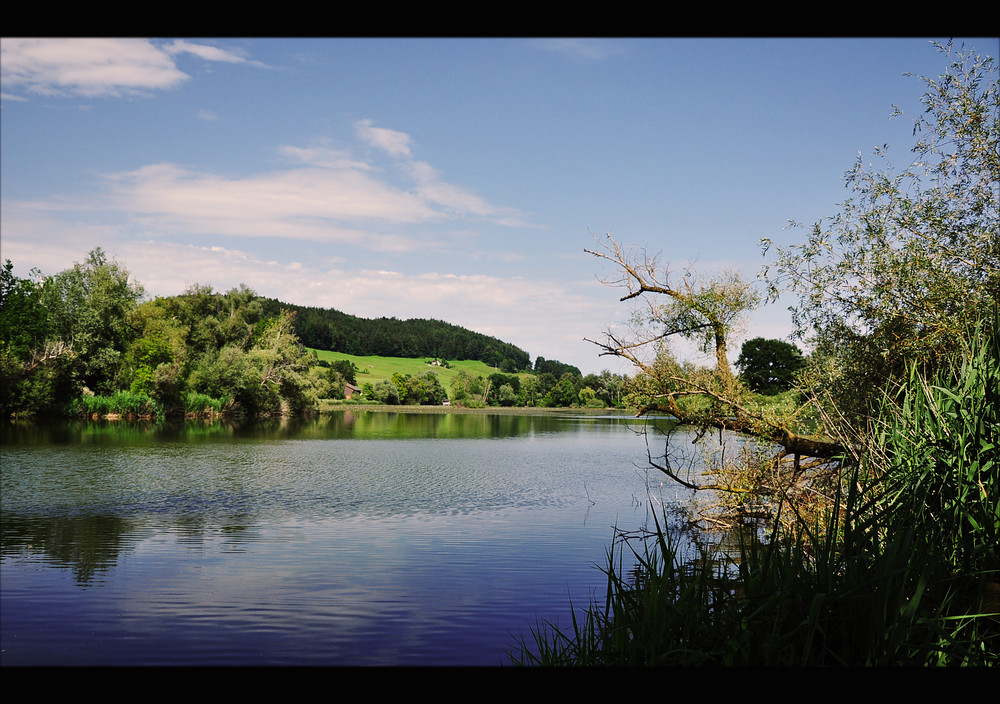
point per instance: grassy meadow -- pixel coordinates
(373, 369)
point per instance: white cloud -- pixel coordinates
(98, 67)
(207, 52)
(306, 203)
(87, 67)
(325, 196)
(325, 157)
(393, 143)
(432, 189)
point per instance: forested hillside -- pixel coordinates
(329, 329)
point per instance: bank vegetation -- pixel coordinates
(864, 524)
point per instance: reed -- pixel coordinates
(901, 568)
(199, 404)
(121, 403)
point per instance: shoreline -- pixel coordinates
(357, 408)
(488, 410)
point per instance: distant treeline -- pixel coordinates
(329, 329)
(87, 341)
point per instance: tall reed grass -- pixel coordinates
(902, 568)
(124, 403)
(131, 404)
(200, 404)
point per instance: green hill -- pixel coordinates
(329, 329)
(374, 368)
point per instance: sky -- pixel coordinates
(455, 179)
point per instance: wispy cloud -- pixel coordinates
(307, 203)
(209, 53)
(323, 195)
(393, 143)
(582, 50)
(93, 68)
(429, 185)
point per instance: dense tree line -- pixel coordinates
(604, 390)
(86, 334)
(86, 340)
(554, 367)
(330, 329)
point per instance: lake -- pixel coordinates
(356, 538)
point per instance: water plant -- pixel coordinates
(124, 403)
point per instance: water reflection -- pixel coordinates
(332, 540)
(347, 424)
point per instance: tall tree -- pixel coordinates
(769, 366)
(88, 307)
(907, 266)
(29, 362)
(23, 320)
(912, 259)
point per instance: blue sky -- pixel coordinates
(458, 179)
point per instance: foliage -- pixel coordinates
(329, 329)
(554, 367)
(904, 568)
(937, 453)
(23, 320)
(384, 391)
(418, 390)
(204, 405)
(913, 257)
(88, 308)
(465, 387)
(347, 370)
(564, 393)
(125, 403)
(707, 398)
(156, 354)
(86, 331)
(28, 366)
(910, 262)
(82, 337)
(769, 366)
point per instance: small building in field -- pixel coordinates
(350, 389)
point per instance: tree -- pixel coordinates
(910, 263)
(768, 366)
(29, 363)
(913, 258)
(506, 396)
(88, 308)
(705, 398)
(566, 392)
(277, 366)
(157, 355)
(23, 320)
(347, 369)
(463, 386)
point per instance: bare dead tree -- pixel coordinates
(705, 312)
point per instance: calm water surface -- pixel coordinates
(361, 538)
